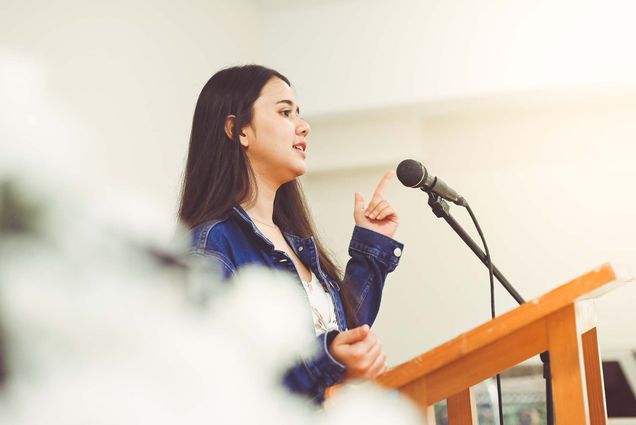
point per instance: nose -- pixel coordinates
(303, 128)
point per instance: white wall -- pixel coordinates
(357, 54)
(119, 80)
(553, 186)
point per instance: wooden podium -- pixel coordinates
(562, 322)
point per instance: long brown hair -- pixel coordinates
(218, 174)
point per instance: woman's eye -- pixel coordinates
(286, 112)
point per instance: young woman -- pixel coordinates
(244, 204)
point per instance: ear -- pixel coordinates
(229, 130)
(229, 125)
(243, 140)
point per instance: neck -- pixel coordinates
(262, 208)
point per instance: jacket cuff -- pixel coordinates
(385, 249)
(323, 365)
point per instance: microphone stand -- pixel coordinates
(441, 209)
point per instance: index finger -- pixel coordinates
(385, 179)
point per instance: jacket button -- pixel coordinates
(397, 252)
(300, 248)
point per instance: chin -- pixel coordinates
(294, 174)
(298, 169)
(301, 171)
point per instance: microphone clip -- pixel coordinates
(439, 206)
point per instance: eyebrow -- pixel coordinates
(290, 103)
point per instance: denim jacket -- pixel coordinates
(235, 241)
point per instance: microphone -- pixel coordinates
(412, 173)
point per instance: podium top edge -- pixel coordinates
(622, 272)
(590, 285)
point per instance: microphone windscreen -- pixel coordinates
(410, 172)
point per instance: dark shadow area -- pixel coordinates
(4, 371)
(621, 402)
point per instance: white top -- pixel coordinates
(322, 308)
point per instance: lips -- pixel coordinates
(301, 146)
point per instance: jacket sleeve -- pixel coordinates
(313, 376)
(373, 256)
(221, 264)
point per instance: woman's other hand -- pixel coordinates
(379, 215)
(360, 351)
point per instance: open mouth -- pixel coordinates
(302, 146)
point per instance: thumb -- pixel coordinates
(353, 335)
(358, 206)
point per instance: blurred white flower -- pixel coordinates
(368, 404)
(268, 312)
(99, 329)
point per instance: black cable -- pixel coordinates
(492, 299)
(499, 400)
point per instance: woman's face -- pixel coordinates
(275, 140)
